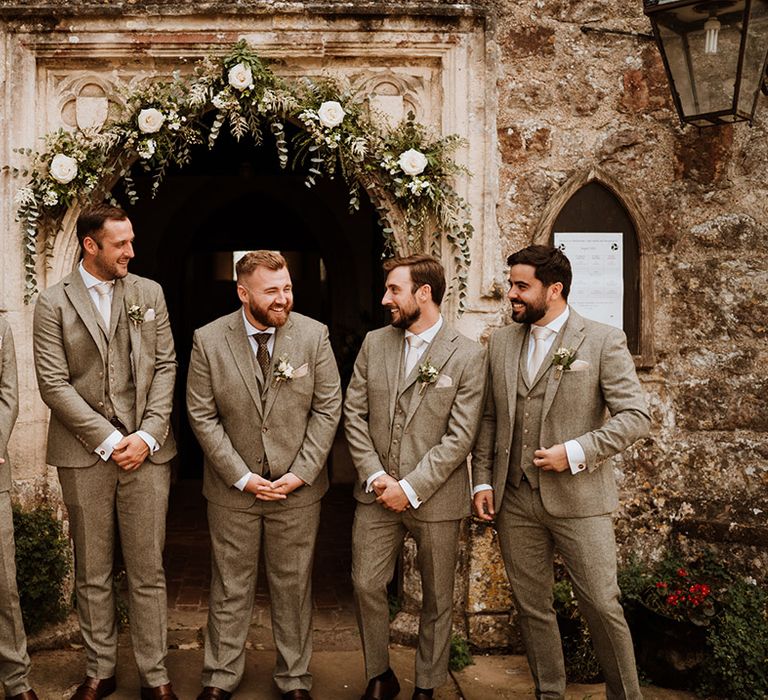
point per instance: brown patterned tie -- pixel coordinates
(262, 354)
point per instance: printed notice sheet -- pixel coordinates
(597, 291)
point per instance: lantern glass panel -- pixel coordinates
(754, 56)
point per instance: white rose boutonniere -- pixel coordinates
(427, 375)
(240, 76)
(150, 120)
(412, 162)
(63, 169)
(137, 314)
(330, 114)
(563, 358)
(284, 370)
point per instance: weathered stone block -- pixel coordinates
(488, 588)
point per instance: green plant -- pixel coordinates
(460, 656)
(42, 567)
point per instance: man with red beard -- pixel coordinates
(264, 400)
(412, 411)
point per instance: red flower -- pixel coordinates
(682, 573)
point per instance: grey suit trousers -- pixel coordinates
(96, 496)
(528, 537)
(377, 538)
(288, 536)
(14, 660)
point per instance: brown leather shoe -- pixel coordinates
(379, 689)
(26, 695)
(160, 692)
(95, 688)
(297, 694)
(211, 693)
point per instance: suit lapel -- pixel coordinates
(284, 338)
(393, 359)
(572, 337)
(438, 353)
(78, 295)
(512, 352)
(242, 353)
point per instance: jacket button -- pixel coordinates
(264, 429)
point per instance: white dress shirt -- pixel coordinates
(107, 447)
(251, 331)
(577, 460)
(427, 336)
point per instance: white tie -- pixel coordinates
(539, 335)
(412, 355)
(103, 289)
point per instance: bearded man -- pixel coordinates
(264, 400)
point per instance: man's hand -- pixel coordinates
(554, 459)
(483, 502)
(130, 452)
(263, 489)
(2, 461)
(390, 494)
(286, 483)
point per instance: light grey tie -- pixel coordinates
(539, 335)
(104, 289)
(412, 355)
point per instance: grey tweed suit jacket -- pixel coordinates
(440, 425)
(602, 407)
(9, 399)
(296, 425)
(71, 363)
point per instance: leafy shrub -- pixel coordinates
(581, 664)
(42, 567)
(460, 656)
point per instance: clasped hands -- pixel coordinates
(129, 454)
(553, 459)
(276, 490)
(390, 494)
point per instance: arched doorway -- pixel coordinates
(233, 198)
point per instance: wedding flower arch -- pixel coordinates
(407, 172)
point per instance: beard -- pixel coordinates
(531, 311)
(405, 318)
(271, 316)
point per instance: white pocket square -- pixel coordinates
(302, 371)
(149, 315)
(443, 382)
(578, 366)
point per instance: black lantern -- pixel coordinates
(714, 52)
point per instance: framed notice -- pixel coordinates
(597, 291)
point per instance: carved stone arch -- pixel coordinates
(543, 234)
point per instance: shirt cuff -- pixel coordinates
(413, 499)
(481, 487)
(151, 442)
(371, 479)
(577, 460)
(242, 482)
(106, 448)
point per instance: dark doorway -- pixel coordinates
(232, 198)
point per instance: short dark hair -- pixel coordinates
(92, 220)
(424, 269)
(550, 264)
(258, 258)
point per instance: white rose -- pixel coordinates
(150, 120)
(240, 76)
(63, 168)
(412, 162)
(330, 114)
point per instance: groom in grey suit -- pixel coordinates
(563, 398)
(264, 401)
(14, 660)
(412, 412)
(106, 367)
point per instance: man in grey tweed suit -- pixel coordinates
(412, 411)
(14, 660)
(106, 368)
(563, 397)
(264, 400)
